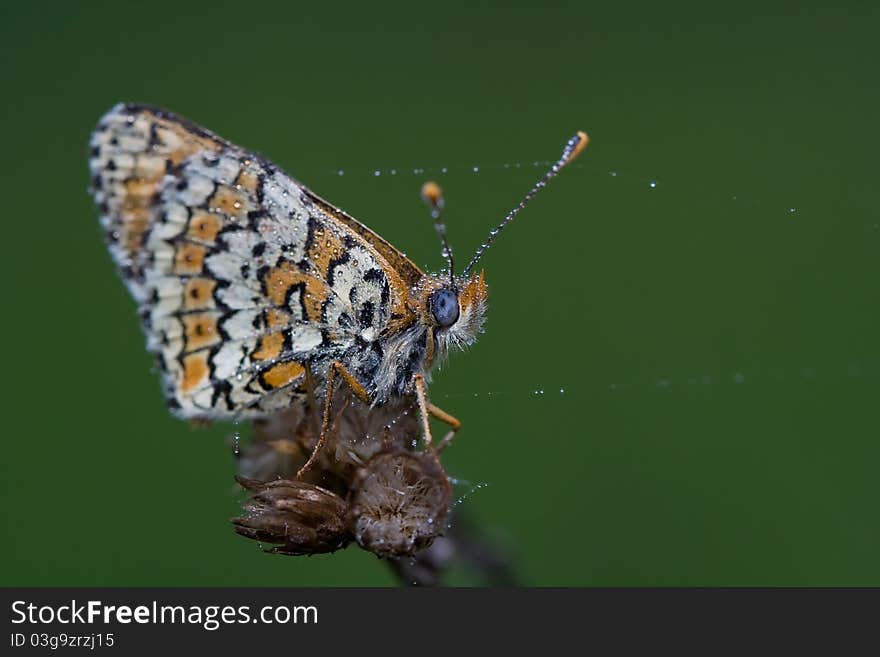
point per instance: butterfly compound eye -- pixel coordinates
(444, 307)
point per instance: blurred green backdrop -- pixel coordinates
(715, 334)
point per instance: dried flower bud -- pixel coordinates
(296, 516)
(361, 430)
(399, 503)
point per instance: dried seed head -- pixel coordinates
(361, 430)
(296, 516)
(399, 503)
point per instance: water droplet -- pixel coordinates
(341, 172)
(562, 391)
(653, 184)
(377, 172)
(476, 169)
(236, 438)
(792, 210)
(473, 489)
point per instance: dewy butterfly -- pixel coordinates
(255, 293)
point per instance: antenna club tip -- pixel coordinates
(432, 194)
(581, 140)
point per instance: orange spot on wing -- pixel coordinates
(204, 227)
(283, 374)
(200, 331)
(198, 293)
(247, 180)
(189, 258)
(326, 247)
(136, 212)
(276, 318)
(229, 202)
(134, 226)
(139, 192)
(270, 347)
(280, 279)
(195, 370)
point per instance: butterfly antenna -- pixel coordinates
(572, 149)
(432, 195)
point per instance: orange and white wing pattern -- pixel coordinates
(244, 277)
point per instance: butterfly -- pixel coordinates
(255, 293)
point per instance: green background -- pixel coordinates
(715, 335)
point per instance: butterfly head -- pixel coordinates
(454, 310)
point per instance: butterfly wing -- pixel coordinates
(245, 279)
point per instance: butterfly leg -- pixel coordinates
(427, 410)
(451, 420)
(336, 368)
